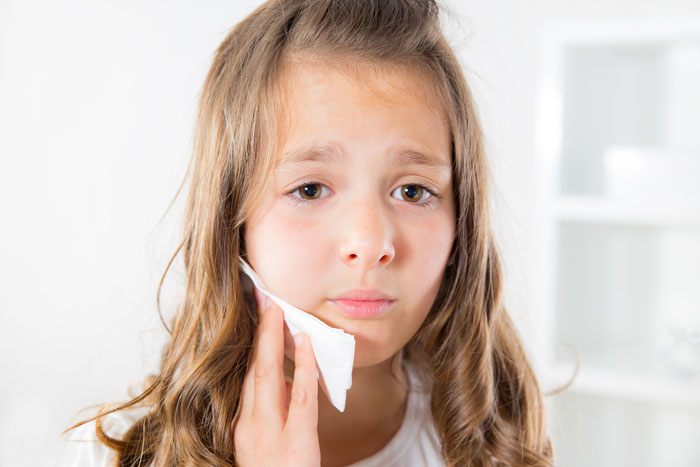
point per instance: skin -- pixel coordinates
(358, 230)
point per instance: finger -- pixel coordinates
(248, 387)
(268, 375)
(261, 300)
(247, 397)
(288, 343)
(303, 406)
(247, 394)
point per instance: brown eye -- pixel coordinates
(310, 191)
(412, 192)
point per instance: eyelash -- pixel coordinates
(300, 201)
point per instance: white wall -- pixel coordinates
(96, 113)
(97, 101)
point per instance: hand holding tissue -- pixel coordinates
(334, 349)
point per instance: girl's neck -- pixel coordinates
(374, 411)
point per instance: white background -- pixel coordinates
(97, 104)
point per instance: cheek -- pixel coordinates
(432, 253)
(287, 252)
(429, 245)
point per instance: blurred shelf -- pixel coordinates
(620, 385)
(571, 208)
(620, 244)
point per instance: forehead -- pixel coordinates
(387, 102)
(387, 83)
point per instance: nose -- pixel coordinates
(367, 236)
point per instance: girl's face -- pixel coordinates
(361, 198)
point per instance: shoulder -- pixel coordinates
(82, 448)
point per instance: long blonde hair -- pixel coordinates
(486, 403)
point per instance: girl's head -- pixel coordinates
(360, 198)
(345, 151)
(337, 148)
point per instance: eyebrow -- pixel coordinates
(331, 153)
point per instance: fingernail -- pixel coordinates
(299, 339)
(262, 299)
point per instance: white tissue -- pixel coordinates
(334, 349)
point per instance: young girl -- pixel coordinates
(337, 152)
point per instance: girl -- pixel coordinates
(337, 151)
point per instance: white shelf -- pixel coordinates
(619, 385)
(608, 211)
(619, 163)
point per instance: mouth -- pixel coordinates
(362, 308)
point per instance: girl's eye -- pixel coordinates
(414, 193)
(310, 191)
(307, 192)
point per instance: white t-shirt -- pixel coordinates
(416, 444)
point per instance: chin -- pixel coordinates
(368, 353)
(361, 362)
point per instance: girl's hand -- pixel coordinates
(276, 426)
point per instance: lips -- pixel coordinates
(362, 308)
(363, 295)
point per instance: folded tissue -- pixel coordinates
(334, 348)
